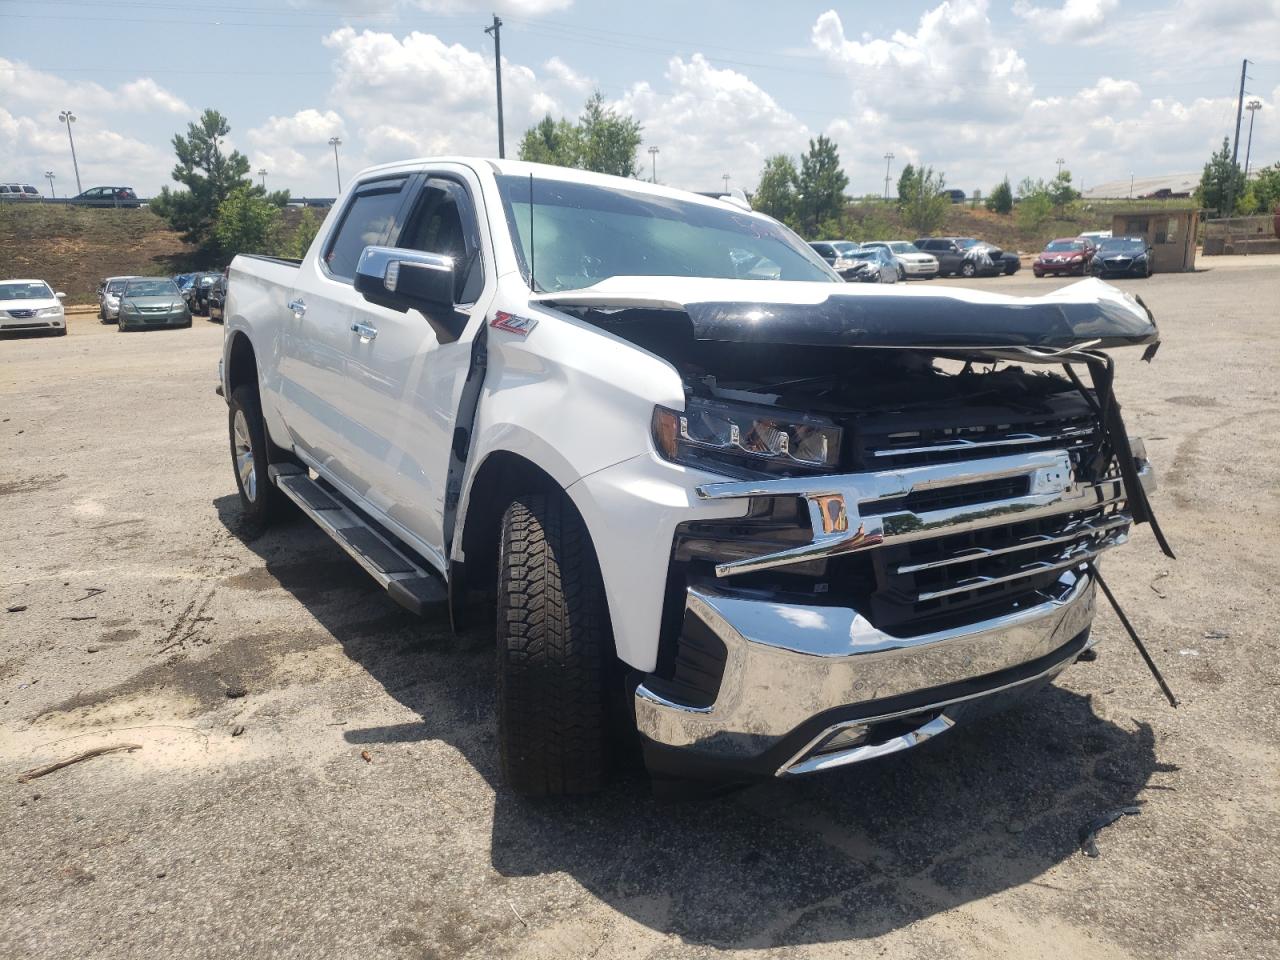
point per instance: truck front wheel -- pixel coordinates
(554, 640)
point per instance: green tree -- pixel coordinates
(927, 203)
(905, 180)
(1061, 192)
(1000, 200)
(601, 140)
(1035, 204)
(776, 194)
(551, 141)
(1266, 188)
(298, 242)
(821, 185)
(246, 223)
(210, 176)
(1222, 182)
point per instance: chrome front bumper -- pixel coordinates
(788, 664)
(795, 675)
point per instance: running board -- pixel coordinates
(409, 584)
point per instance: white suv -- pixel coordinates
(912, 261)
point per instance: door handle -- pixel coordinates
(298, 308)
(367, 331)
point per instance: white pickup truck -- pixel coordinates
(770, 522)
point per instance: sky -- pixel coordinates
(978, 89)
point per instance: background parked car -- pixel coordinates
(964, 256)
(1065, 255)
(216, 297)
(109, 297)
(197, 295)
(152, 302)
(833, 250)
(911, 261)
(957, 196)
(1122, 257)
(868, 265)
(106, 197)
(31, 305)
(19, 191)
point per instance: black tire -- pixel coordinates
(261, 502)
(554, 640)
(968, 269)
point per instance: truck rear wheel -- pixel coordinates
(259, 498)
(554, 638)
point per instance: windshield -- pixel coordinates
(902, 246)
(865, 255)
(964, 243)
(583, 234)
(1122, 245)
(35, 290)
(115, 286)
(1063, 246)
(845, 248)
(150, 288)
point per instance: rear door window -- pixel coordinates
(368, 221)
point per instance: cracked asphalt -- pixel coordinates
(315, 773)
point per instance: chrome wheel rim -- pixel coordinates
(244, 456)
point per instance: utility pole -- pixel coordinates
(262, 172)
(1060, 162)
(1235, 146)
(67, 117)
(725, 178)
(1253, 106)
(496, 30)
(653, 160)
(888, 159)
(336, 142)
(49, 175)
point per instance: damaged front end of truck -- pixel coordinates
(927, 481)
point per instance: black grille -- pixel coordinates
(943, 498)
(971, 432)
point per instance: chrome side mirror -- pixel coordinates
(403, 280)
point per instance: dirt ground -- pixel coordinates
(316, 773)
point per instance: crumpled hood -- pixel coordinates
(834, 315)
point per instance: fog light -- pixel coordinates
(844, 739)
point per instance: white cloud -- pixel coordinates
(953, 62)
(420, 96)
(30, 146)
(25, 84)
(1074, 21)
(710, 122)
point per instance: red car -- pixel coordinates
(1066, 255)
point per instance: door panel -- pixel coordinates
(320, 387)
(409, 383)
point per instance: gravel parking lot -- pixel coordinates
(316, 773)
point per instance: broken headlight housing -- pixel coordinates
(713, 433)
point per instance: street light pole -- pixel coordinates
(49, 175)
(725, 178)
(262, 172)
(1253, 107)
(67, 117)
(888, 159)
(336, 142)
(653, 160)
(1060, 162)
(1130, 184)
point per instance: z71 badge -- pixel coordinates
(512, 323)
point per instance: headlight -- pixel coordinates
(1141, 256)
(710, 432)
(49, 312)
(842, 264)
(128, 306)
